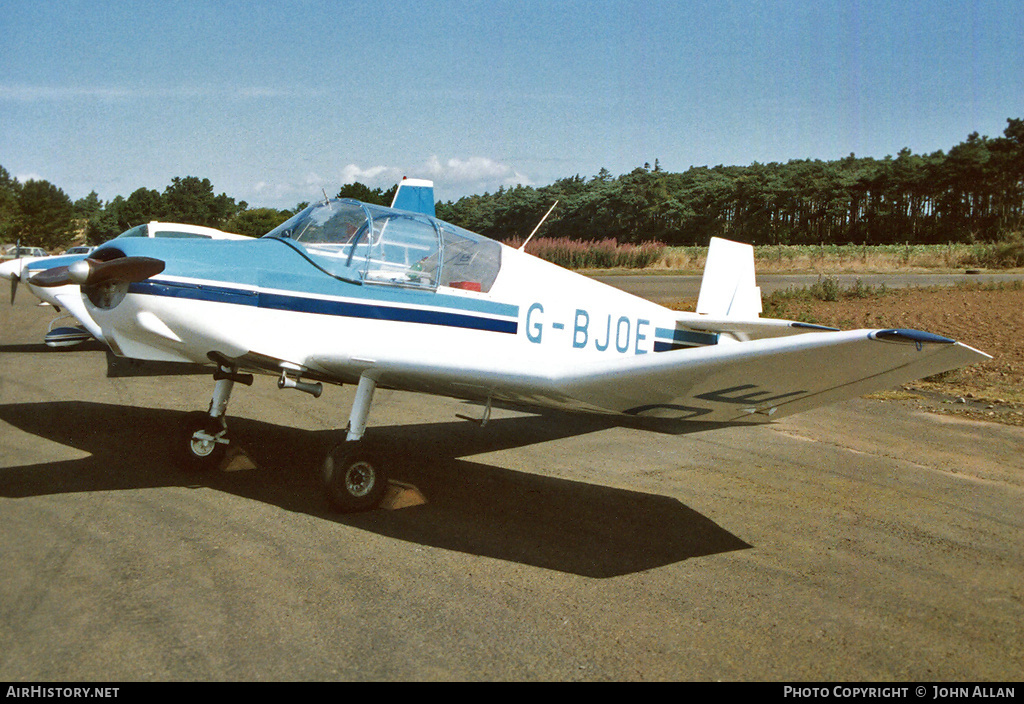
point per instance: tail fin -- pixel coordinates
(729, 289)
(415, 195)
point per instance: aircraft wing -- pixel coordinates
(767, 378)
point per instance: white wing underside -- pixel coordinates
(752, 381)
(767, 378)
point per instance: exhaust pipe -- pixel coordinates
(314, 389)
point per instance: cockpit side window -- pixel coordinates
(403, 250)
(471, 262)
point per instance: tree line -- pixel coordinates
(973, 192)
(38, 213)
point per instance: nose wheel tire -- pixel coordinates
(354, 477)
(200, 444)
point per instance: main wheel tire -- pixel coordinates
(199, 454)
(354, 477)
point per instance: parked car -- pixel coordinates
(179, 230)
(12, 252)
(80, 249)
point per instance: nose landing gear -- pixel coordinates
(202, 441)
(354, 475)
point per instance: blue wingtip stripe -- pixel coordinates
(660, 346)
(688, 338)
(911, 336)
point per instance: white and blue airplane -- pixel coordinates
(350, 293)
(69, 298)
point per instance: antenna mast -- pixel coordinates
(522, 247)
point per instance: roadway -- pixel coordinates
(868, 541)
(670, 288)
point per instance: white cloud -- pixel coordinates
(453, 178)
(475, 174)
(279, 195)
(374, 176)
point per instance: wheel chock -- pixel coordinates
(236, 461)
(401, 495)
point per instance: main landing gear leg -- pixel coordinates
(354, 477)
(202, 440)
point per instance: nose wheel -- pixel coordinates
(201, 442)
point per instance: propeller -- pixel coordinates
(90, 272)
(57, 276)
(12, 270)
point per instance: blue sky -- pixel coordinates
(274, 101)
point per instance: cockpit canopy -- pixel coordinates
(369, 243)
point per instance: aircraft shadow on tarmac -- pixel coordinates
(478, 509)
(36, 347)
(116, 366)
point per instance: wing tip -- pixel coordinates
(921, 338)
(909, 336)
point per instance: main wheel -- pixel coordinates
(196, 445)
(354, 477)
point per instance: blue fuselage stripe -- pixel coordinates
(394, 314)
(301, 304)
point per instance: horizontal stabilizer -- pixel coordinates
(749, 329)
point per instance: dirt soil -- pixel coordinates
(989, 320)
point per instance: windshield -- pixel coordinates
(143, 231)
(137, 231)
(327, 223)
(373, 244)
